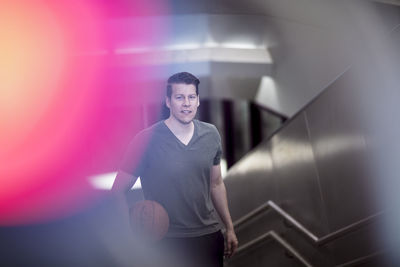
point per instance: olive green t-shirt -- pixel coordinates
(177, 175)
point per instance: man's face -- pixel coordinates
(183, 103)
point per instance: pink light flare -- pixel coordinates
(56, 124)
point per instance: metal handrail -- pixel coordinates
(280, 240)
(297, 255)
(316, 240)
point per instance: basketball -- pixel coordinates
(149, 220)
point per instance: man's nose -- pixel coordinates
(186, 101)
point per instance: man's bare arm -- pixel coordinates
(219, 198)
(122, 184)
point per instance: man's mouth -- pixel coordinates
(186, 111)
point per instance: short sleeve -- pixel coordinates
(217, 158)
(134, 158)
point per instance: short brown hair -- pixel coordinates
(182, 77)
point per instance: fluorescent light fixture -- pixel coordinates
(211, 44)
(204, 54)
(208, 51)
(223, 54)
(139, 50)
(187, 46)
(240, 45)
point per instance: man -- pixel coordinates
(180, 169)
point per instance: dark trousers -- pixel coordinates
(202, 251)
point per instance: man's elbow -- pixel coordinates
(217, 183)
(122, 183)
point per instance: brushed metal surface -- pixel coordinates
(317, 169)
(291, 252)
(268, 254)
(357, 244)
(297, 179)
(335, 164)
(338, 141)
(251, 182)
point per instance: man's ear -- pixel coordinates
(198, 100)
(168, 102)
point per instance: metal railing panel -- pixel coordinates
(301, 228)
(282, 242)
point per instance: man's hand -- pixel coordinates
(231, 243)
(220, 201)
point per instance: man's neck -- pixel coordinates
(178, 127)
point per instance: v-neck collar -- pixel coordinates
(177, 139)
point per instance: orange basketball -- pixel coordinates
(149, 220)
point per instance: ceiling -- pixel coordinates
(125, 8)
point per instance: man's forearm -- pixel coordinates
(123, 182)
(220, 201)
(219, 198)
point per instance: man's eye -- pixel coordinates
(178, 97)
(192, 97)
